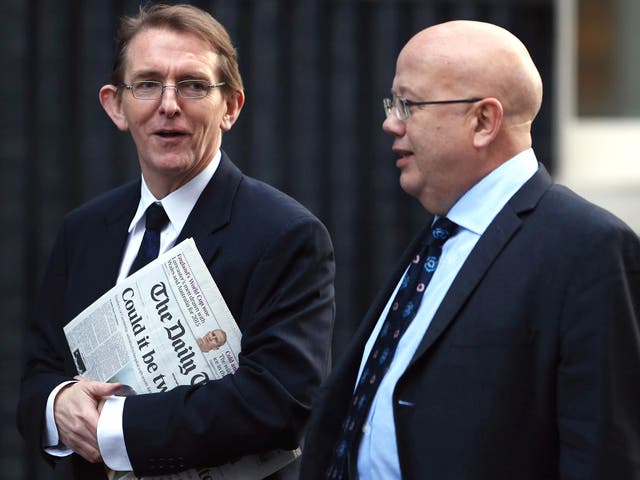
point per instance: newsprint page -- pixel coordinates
(166, 325)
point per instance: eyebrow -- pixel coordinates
(154, 74)
(398, 94)
(145, 74)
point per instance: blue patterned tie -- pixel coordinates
(156, 219)
(403, 309)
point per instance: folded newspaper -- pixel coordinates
(166, 325)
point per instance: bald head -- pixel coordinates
(481, 92)
(476, 59)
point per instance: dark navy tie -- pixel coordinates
(402, 311)
(156, 219)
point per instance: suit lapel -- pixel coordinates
(111, 241)
(343, 375)
(339, 386)
(212, 211)
(381, 299)
(493, 241)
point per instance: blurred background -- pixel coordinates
(315, 73)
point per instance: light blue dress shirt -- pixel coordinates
(473, 212)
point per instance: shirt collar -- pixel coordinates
(179, 203)
(477, 208)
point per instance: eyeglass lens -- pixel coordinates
(185, 88)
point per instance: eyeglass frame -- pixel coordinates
(389, 104)
(176, 87)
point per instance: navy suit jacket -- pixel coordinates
(530, 368)
(273, 263)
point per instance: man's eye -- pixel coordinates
(146, 85)
(194, 85)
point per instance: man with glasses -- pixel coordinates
(506, 343)
(176, 88)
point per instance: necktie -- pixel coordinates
(402, 311)
(156, 219)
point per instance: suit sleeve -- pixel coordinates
(598, 383)
(45, 350)
(287, 319)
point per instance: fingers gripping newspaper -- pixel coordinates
(166, 325)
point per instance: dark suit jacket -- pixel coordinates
(273, 262)
(530, 368)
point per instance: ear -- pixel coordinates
(488, 120)
(111, 101)
(234, 102)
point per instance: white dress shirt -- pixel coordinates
(473, 212)
(178, 206)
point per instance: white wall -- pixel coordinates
(598, 158)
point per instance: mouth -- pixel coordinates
(170, 134)
(403, 156)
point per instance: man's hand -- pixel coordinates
(76, 410)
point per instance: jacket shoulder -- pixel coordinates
(108, 205)
(576, 214)
(271, 207)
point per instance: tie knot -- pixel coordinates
(156, 217)
(441, 231)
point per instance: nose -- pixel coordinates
(394, 126)
(169, 105)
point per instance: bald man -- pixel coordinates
(505, 345)
(212, 340)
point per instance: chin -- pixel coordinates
(408, 186)
(173, 166)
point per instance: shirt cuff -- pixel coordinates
(111, 436)
(51, 439)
